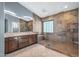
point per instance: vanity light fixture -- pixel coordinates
(27, 18)
(9, 12)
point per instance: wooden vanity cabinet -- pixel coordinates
(18, 42)
(10, 44)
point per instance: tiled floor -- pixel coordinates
(63, 47)
(35, 50)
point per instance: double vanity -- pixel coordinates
(16, 41)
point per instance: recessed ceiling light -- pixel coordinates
(65, 6)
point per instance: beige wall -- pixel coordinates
(37, 25)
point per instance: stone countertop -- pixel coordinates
(18, 34)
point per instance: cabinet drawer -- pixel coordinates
(23, 44)
(23, 40)
(23, 37)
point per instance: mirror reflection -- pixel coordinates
(17, 20)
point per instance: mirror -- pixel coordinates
(14, 24)
(17, 18)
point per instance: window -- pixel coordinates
(15, 26)
(48, 26)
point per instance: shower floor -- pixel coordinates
(63, 47)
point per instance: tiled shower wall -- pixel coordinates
(65, 30)
(62, 20)
(63, 23)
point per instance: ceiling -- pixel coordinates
(44, 9)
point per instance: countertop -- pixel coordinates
(18, 34)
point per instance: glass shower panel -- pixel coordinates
(72, 39)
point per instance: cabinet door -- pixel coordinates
(13, 44)
(6, 45)
(23, 41)
(32, 39)
(23, 38)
